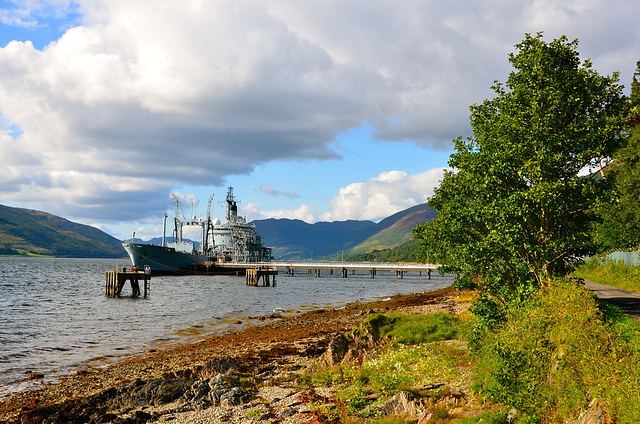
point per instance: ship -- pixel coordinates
(234, 240)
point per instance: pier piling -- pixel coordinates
(115, 281)
(253, 276)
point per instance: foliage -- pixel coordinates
(489, 417)
(513, 210)
(398, 369)
(621, 217)
(6, 251)
(553, 357)
(610, 273)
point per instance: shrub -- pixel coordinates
(556, 354)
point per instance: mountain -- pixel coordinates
(396, 229)
(26, 231)
(293, 239)
(297, 240)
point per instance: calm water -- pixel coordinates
(55, 318)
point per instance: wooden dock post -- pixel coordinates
(115, 281)
(253, 276)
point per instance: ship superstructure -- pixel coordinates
(236, 240)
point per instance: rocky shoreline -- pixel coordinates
(237, 376)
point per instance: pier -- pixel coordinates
(115, 281)
(317, 268)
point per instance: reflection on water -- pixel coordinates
(54, 316)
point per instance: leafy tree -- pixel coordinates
(621, 217)
(513, 211)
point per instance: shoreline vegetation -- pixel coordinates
(416, 358)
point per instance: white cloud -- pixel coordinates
(382, 196)
(378, 198)
(34, 13)
(146, 96)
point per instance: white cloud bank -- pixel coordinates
(375, 199)
(380, 197)
(146, 96)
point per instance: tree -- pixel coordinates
(513, 211)
(620, 228)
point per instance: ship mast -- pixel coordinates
(177, 222)
(164, 228)
(232, 208)
(205, 236)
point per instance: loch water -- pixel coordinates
(56, 319)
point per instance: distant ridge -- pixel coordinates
(31, 232)
(297, 240)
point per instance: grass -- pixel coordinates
(414, 328)
(415, 354)
(610, 273)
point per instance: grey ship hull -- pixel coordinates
(162, 260)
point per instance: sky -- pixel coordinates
(320, 110)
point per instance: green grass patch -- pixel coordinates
(610, 273)
(252, 413)
(414, 328)
(489, 417)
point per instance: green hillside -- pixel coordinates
(407, 252)
(30, 232)
(397, 233)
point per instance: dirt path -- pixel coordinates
(627, 301)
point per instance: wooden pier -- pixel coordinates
(115, 281)
(254, 275)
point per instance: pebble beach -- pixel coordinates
(233, 377)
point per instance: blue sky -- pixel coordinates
(316, 110)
